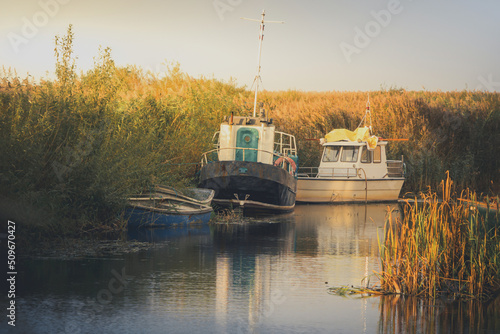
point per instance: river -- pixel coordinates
(252, 275)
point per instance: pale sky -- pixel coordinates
(342, 45)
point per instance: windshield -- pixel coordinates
(331, 154)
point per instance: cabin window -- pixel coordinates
(366, 155)
(331, 154)
(377, 154)
(349, 154)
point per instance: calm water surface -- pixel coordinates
(258, 275)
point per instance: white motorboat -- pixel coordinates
(353, 168)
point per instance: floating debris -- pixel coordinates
(362, 292)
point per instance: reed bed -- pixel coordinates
(441, 248)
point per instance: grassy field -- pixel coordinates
(74, 147)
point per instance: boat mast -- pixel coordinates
(367, 113)
(261, 38)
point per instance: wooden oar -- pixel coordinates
(165, 197)
(170, 191)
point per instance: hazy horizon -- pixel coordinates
(322, 46)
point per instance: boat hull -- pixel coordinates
(252, 186)
(162, 209)
(151, 218)
(327, 190)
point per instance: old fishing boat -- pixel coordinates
(353, 168)
(165, 209)
(252, 166)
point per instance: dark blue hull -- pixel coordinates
(140, 217)
(253, 186)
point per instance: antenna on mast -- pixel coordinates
(261, 37)
(367, 113)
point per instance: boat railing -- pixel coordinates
(338, 172)
(395, 168)
(307, 172)
(213, 155)
(315, 172)
(215, 139)
(285, 143)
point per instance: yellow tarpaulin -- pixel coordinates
(358, 135)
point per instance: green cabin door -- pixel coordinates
(247, 138)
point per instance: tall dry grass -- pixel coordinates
(441, 247)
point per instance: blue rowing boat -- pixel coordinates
(163, 209)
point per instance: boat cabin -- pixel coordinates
(353, 168)
(251, 139)
(354, 154)
(345, 159)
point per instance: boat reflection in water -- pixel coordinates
(278, 267)
(169, 233)
(345, 229)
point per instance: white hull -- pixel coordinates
(328, 190)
